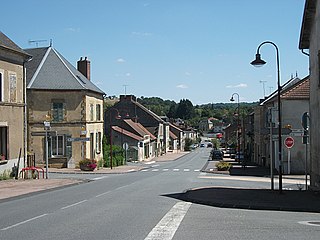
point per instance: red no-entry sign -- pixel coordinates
(289, 142)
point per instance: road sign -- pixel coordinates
(43, 133)
(78, 139)
(297, 132)
(289, 142)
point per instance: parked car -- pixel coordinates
(202, 145)
(209, 145)
(216, 154)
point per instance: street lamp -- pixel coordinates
(117, 117)
(238, 124)
(258, 62)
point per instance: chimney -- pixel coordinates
(84, 67)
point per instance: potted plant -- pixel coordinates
(88, 164)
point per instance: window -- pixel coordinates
(57, 146)
(57, 111)
(13, 87)
(98, 142)
(3, 143)
(91, 112)
(98, 112)
(1, 87)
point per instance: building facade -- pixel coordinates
(12, 103)
(310, 40)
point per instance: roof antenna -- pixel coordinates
(36, 42)
(50, 42)
(296, 74)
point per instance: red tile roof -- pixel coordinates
(127, 133)
(298, 91)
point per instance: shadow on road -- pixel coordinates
(257, 199)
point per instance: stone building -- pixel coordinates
(65, 97)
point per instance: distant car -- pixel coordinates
(209, 145)
(216, 155)
(239, 156)
(202, 145)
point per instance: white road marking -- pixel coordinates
(144, 170)
(165, 169)
(197, 170)
(169, 224)
(186, 170)
(156, 165)
(315, 223)
(74, 204)
(99, 178)
(155, 170)
(176, 170)
(20, 223)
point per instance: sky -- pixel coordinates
(173, 49)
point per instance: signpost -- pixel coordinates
(289, 142)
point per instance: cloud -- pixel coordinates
(182, 86)
(187, 73)
(128, 74)
(121, 60)
(241, 85)
(142, 34)
(71, 29)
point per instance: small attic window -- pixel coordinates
(81, 79)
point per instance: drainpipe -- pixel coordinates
(25, 129)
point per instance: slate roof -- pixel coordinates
(7, 43)
(49, 70)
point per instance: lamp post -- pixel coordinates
(238, 123)
(117, 117)
(259, 62)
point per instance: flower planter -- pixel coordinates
(87, 167)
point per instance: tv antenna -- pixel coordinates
(263, 85)
(125, 89)
(37, 42)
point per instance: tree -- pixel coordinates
(185, 109)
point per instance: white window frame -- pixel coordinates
(57, 146)
(1, 85)
(13, 88)
(91, 112)
(98, 142)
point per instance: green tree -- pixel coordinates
(185, 109)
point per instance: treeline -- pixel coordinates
(185, 110)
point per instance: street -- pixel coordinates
(147, 205)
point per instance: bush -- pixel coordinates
(5, 175)
(223, 166)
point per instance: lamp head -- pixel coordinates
(232, 99)
(258, 62)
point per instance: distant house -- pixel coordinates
(128, 107)
(65, 97)
(294, 102)
(139, 141)
(12, 103)
(205, 125)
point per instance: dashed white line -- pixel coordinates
(176, 170)
(169, 224)
(20, 223)
(99, 178)
(155, 170)
(186, 170)
(165, 169)
(74, 204)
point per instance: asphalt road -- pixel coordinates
(146, 205)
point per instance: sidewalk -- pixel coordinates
(15, 188)
(251, 198)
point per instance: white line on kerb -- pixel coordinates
(169, 224)
(74, 204)
(20, 223)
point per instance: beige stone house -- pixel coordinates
(65, 97)
(294, 103)
(309, 40)
(12, 103)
